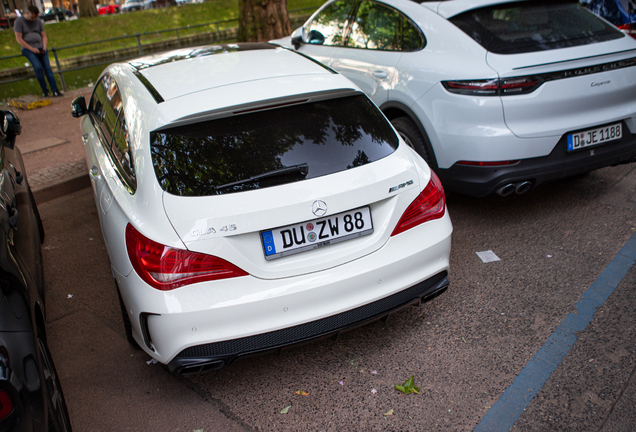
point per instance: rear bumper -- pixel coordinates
(481, 181)
(216, 355)
(165, 324)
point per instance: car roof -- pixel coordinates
(185, 71)
(450, 8)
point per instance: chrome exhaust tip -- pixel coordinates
(523, 187)
(506, 190)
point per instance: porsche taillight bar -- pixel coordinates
(526, 84)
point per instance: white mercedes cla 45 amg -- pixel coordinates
(496, 95)
(251, 198)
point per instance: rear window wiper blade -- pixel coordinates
(301, 169)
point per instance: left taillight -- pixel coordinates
(429, 205)
(527, 84)
(6, 404)
(166, 268)
(629, 29)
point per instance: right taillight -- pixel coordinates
(166, 268)
(429, 205)
(6, 404)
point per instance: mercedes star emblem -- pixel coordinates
(319, 208)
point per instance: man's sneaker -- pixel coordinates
(57, 93)
(46, 94)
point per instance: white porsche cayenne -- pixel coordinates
(251, 198)
(496, 95)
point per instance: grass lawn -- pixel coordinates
(83, 30)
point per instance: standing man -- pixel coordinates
(30, 34)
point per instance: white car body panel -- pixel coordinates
(372, 71)
(213, 102)
(562, 106)
(254, 211)
(205, 313)
(448, 9)
(271, 64)
(473, 128)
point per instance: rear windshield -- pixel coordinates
(269, 148)
(532, 26)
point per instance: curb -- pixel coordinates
(65, 187)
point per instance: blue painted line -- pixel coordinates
(506, 411)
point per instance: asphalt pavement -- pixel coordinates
(498, 351)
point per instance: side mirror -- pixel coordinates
(78, 107)
(316, 38)
(10, 127)
(298, 37)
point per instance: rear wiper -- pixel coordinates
(301, 169)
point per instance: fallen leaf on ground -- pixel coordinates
(285, 410)
(408, 387)
(389, 412)
(302, 393)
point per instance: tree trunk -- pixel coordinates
(262, 20)
(87, 9)
(19, 4)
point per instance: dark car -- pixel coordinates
(30, 393)
(621, 13)
(56, 15)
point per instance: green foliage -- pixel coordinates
(84, 30)
(408, 387)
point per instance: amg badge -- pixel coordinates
(400, 186)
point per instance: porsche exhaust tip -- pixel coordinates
(523, 187)
(506, 190)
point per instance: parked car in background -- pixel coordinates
(496, 96)
(30, 394)
(133, 5)
(4, 23)
(56, 15)
(108, 9)
(251, 198)
(621, 13)
(154, 4)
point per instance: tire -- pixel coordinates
(127, 325)
(57, 418)
(411, 134)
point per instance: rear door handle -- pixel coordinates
(380, 74)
